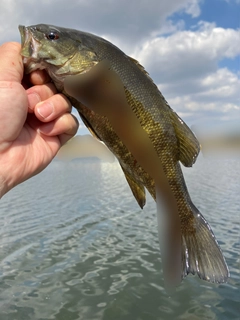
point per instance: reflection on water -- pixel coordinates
(75, 245)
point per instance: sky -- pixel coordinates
(191, 48)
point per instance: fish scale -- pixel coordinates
(74, 52)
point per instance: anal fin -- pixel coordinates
(138, 189)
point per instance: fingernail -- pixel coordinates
(45, 109)
(33, 99)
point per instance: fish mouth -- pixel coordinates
(23, 31)
(26, 41)
(30, 49)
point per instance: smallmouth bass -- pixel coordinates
(63, 52)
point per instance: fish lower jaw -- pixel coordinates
(31, 65)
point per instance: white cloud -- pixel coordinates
(217, 97)
(193, 8)
(130, 21)
(184, 63)
(188, 54)
(222, 83)
(185, 66)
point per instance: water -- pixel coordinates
(75, 245)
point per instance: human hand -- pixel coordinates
(35, 121)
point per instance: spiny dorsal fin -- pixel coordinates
(137, 189)
(189, 146)
(141, 68)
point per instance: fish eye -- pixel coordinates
(52, 35)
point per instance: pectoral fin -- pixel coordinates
(137, 189)
(189, 146)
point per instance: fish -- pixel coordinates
(64, 52)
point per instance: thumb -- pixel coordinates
(11, 64)
(13, 110)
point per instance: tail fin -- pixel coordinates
(201, 252)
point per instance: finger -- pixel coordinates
(11, 65)
(52, 108)
(36, 77)
(39, 93)
(13, 110)
(64, 127)
(65, 137)
(39, 77)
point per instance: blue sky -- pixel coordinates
(225, 14)
(191, 48)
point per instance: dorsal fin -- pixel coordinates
(141, 68)
(139, 65)
(189, 146)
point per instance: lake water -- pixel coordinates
(75, 245)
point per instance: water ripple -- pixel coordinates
(75, 245)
